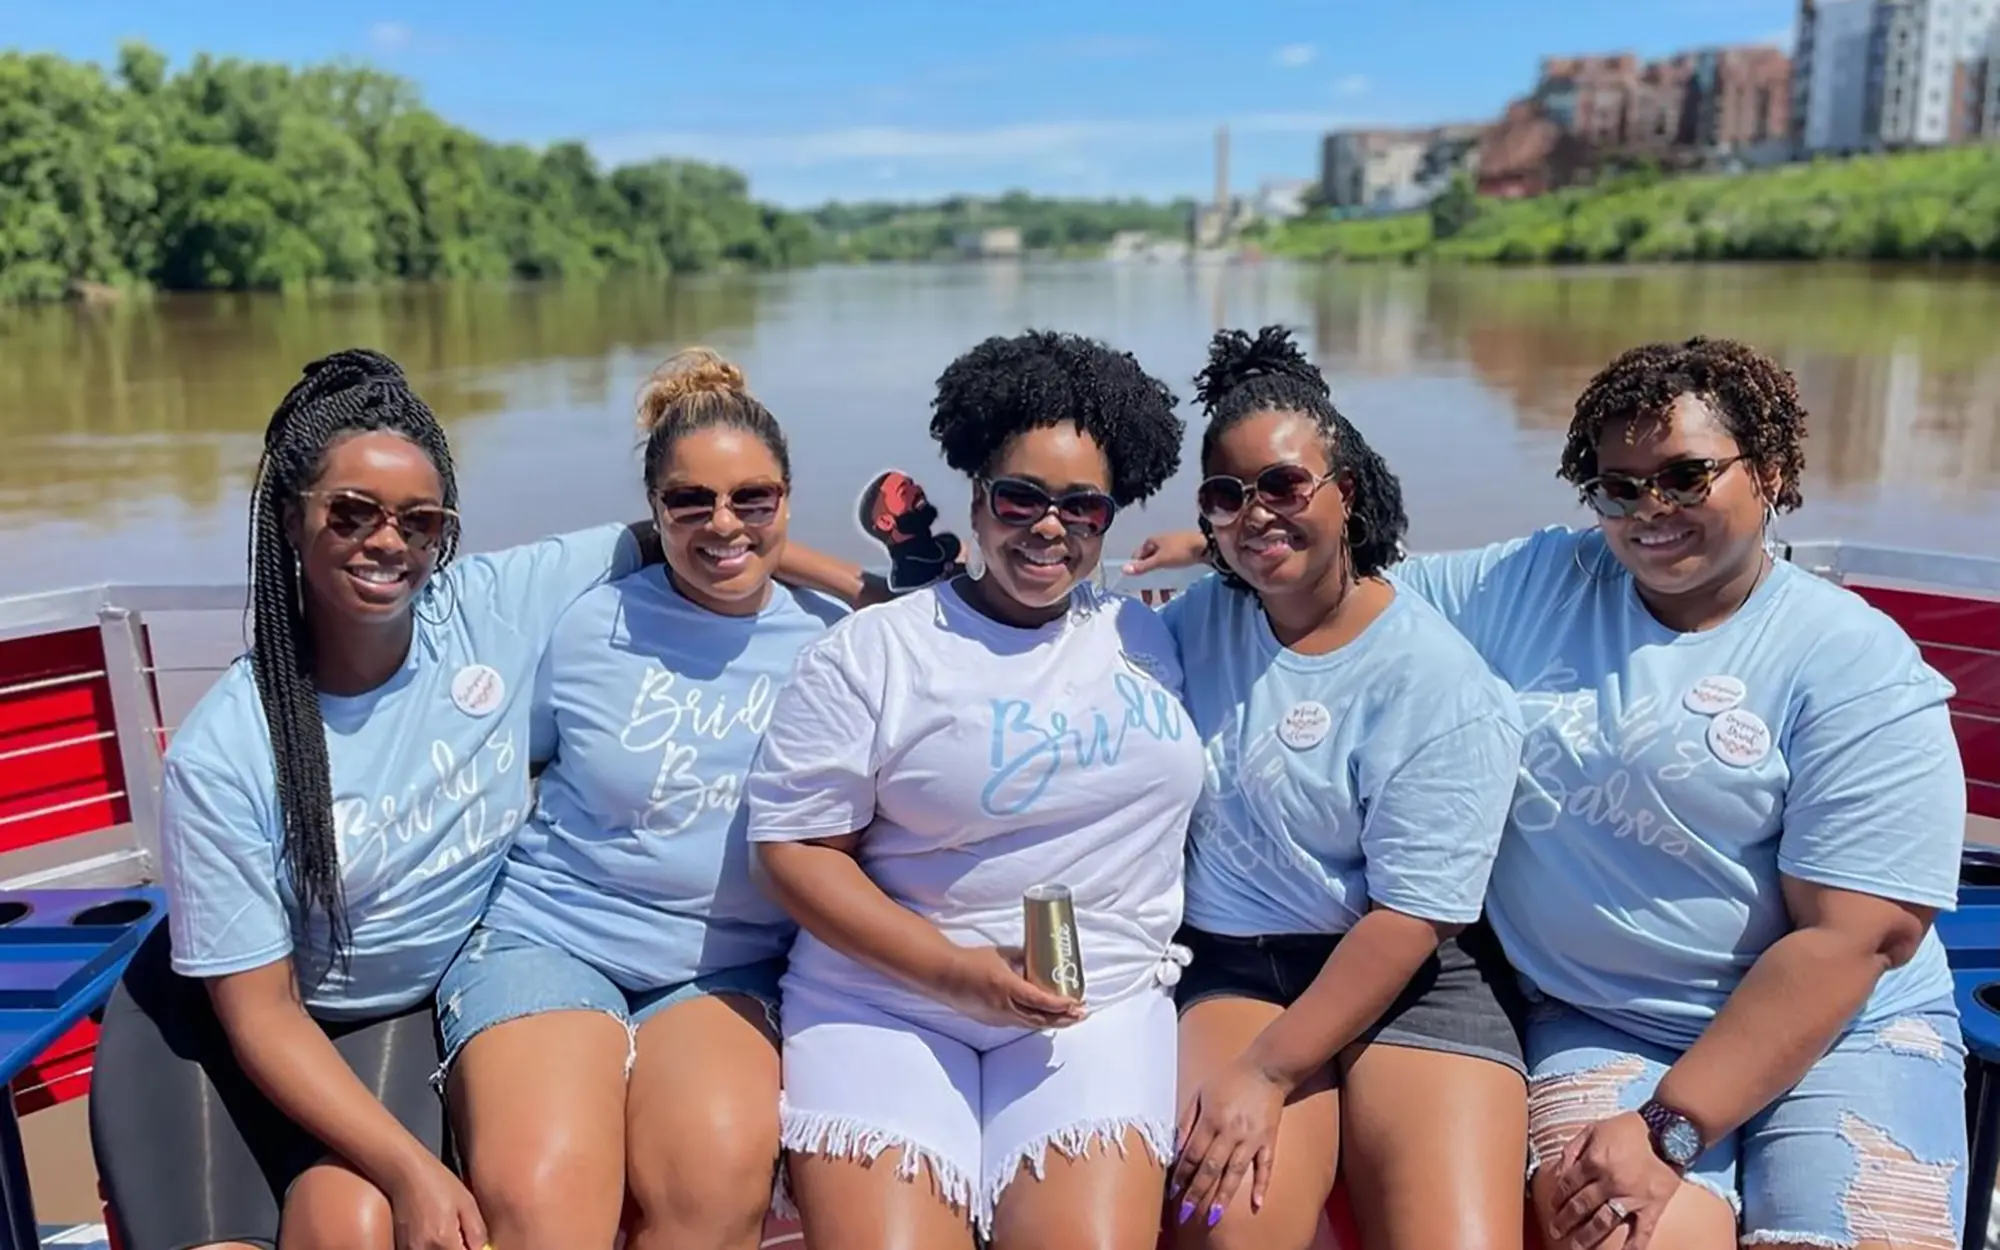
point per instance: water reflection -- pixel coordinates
(130, 432)
(100, 406)
(1897, 369)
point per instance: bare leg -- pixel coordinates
(853, 1202)
(1436, 1145)
(1104, 1200)
(332, 1207)
(702, 1126)
(1212, 1034)
(545, 1140)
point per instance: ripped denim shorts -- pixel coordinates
(500, 976)
(1869, 1146)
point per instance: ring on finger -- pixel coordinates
(1618, 1209)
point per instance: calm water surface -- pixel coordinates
(130, 434)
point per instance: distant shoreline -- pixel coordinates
(1935, 206)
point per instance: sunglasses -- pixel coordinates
(1283, 488)
(755, 505)
(1684, 484)
(355, 517)
(1018, 503)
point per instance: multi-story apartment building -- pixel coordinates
(1892, 73)
(1392, 169)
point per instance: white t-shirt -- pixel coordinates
(980, 759)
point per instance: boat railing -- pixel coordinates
(93, 680)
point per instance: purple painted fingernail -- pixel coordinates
(1215, 1215)
(1187, 1209)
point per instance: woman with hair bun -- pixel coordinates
(334, 813)
(627, 937)
(1344, 1008)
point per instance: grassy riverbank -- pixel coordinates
(1913, 207)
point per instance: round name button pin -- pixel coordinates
(1739, 738)
(1305, 726)
(477, 689)
(1712, 696)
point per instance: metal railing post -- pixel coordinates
(132, 713)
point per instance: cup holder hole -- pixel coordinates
(12, 910)
(117, 912)
(1988, 996)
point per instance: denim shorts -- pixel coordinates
(1462, 1000)
(1868, 1146)
(501, 976)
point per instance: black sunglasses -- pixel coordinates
(1285, 489)
(1684, 484)
(354, 517)
(755, 504)
(1019, 503)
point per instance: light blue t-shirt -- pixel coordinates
(1380, 772)
(1669, 779)
(653, 709)
(429, 780)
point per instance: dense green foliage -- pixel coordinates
(873, 232)
(233, 174)
(1918, 206)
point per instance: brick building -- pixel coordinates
(1676, 111)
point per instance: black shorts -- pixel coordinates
(189, 1151)
(1463, 1000)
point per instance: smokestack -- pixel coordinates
(1222, 170)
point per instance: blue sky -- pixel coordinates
(867, 99)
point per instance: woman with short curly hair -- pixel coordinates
(933, 758)
(1740, 807)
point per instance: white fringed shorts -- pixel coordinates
(970, 1101)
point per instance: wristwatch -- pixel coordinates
(1675, 1138)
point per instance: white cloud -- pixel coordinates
(1295, 55)
(907, 147)
(1351, 86)
(389, 36)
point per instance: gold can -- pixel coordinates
(1053, 957)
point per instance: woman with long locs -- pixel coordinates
(334, 815)
(627, 936)
(931, 760)
(1739, 808)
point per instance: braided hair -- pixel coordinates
(696, 389)
(1268, 373)
(1754, 397)
(1006, 386)
(350, 392)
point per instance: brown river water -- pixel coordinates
(128, 435)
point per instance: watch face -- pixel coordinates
(1681, 1140)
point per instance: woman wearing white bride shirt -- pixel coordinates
(1740, 805)
(627, 935)
(933, 758)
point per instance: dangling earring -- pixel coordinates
(975, 560)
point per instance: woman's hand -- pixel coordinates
(1175, 549)
(1609, 1176)
(434, 1211)
(1229, 1127)
(986, 985)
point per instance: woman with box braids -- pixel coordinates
(335, 811)
(347, 393)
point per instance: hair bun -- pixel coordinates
(685, 375)
(1234, 357)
